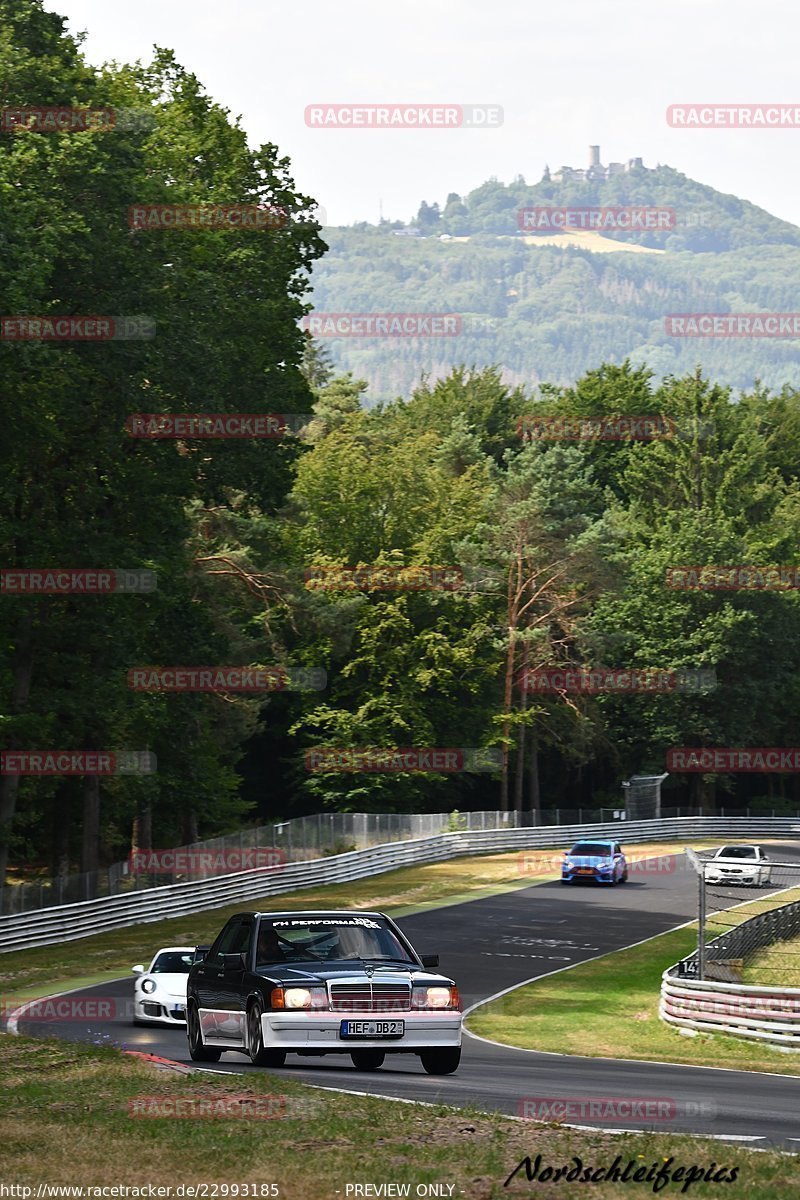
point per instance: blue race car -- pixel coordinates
(600, 862)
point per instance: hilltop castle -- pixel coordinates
(595, 170)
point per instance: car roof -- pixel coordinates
(597, 841)
(313, 912)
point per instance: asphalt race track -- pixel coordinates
(490, 945)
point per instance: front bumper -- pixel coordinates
(319, 1031)
(595, 876)
(163, 1011)
(736, 876)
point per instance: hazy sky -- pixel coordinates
(566, 75)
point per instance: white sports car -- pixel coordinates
(159, 993)
(739, 864)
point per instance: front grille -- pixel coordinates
(151, 1010)
(370, 997)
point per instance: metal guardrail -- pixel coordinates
(72, 921)
(767, 1014)
(303, 838)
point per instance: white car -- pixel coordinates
(159, 993)
(739, 864)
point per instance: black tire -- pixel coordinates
(566, 881)
(259, 1055)
(367, 1060)
(441, 1062)
(624, 876)
(197, 1051)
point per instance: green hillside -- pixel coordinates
(549, 313)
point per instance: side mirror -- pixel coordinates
(430, 960)
(231, 963)
(200, 953)
(138, 970)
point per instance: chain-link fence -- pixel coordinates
(748, 917)
(301, 839)
(296, 840)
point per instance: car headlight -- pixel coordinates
(299, 998)
(435, 997)
(148, 986)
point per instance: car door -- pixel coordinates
(220, 993)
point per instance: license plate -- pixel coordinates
(179, 1011)
(371, 1029)
(585, 871)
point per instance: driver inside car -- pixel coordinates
(269, 947)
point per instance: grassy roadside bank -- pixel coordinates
(67, 1116)
(609, 1009)
(25, 974)
(775, 966)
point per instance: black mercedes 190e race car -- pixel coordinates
(315, 983)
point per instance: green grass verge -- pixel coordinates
(65, 1118)
(25, 974)
(775, 966)
(608, 1008)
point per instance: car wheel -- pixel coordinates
(367, 1060)
(624, 876)
(259, 1055)
(197, 1051)
(566, 881)
(441, 1062)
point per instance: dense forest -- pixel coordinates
(557, 551)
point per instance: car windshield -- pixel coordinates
(173, 962)
(591, 850)
(737, 852)
(328, 939)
